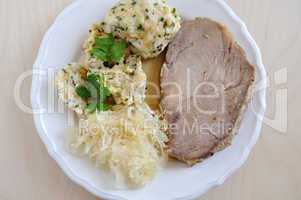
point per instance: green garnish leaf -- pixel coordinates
(83, 92)
(103, 106)
(104, 43)
(104, 93)
(93, 84)
(95, 89)
(91, 107)
(92, 89)
(99, 54)
(95, 80)
(117, 50)
(108, 49)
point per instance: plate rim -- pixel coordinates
(96, 191)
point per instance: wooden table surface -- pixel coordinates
(271, 172)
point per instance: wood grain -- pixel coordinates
(271, 172)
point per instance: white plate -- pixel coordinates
(62, 44)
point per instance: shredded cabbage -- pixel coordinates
(128, 141)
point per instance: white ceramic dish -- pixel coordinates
(62, 44)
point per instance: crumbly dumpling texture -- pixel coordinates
(126, 82)
(128, 141)
(95, 31)
(149, 25)
(67, 79)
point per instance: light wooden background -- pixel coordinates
(273, 170)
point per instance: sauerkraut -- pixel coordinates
(128, 141)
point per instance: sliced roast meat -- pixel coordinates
(206, 84)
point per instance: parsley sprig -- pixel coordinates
(96, 93)
(108, 49)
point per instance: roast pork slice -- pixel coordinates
(206, 85)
